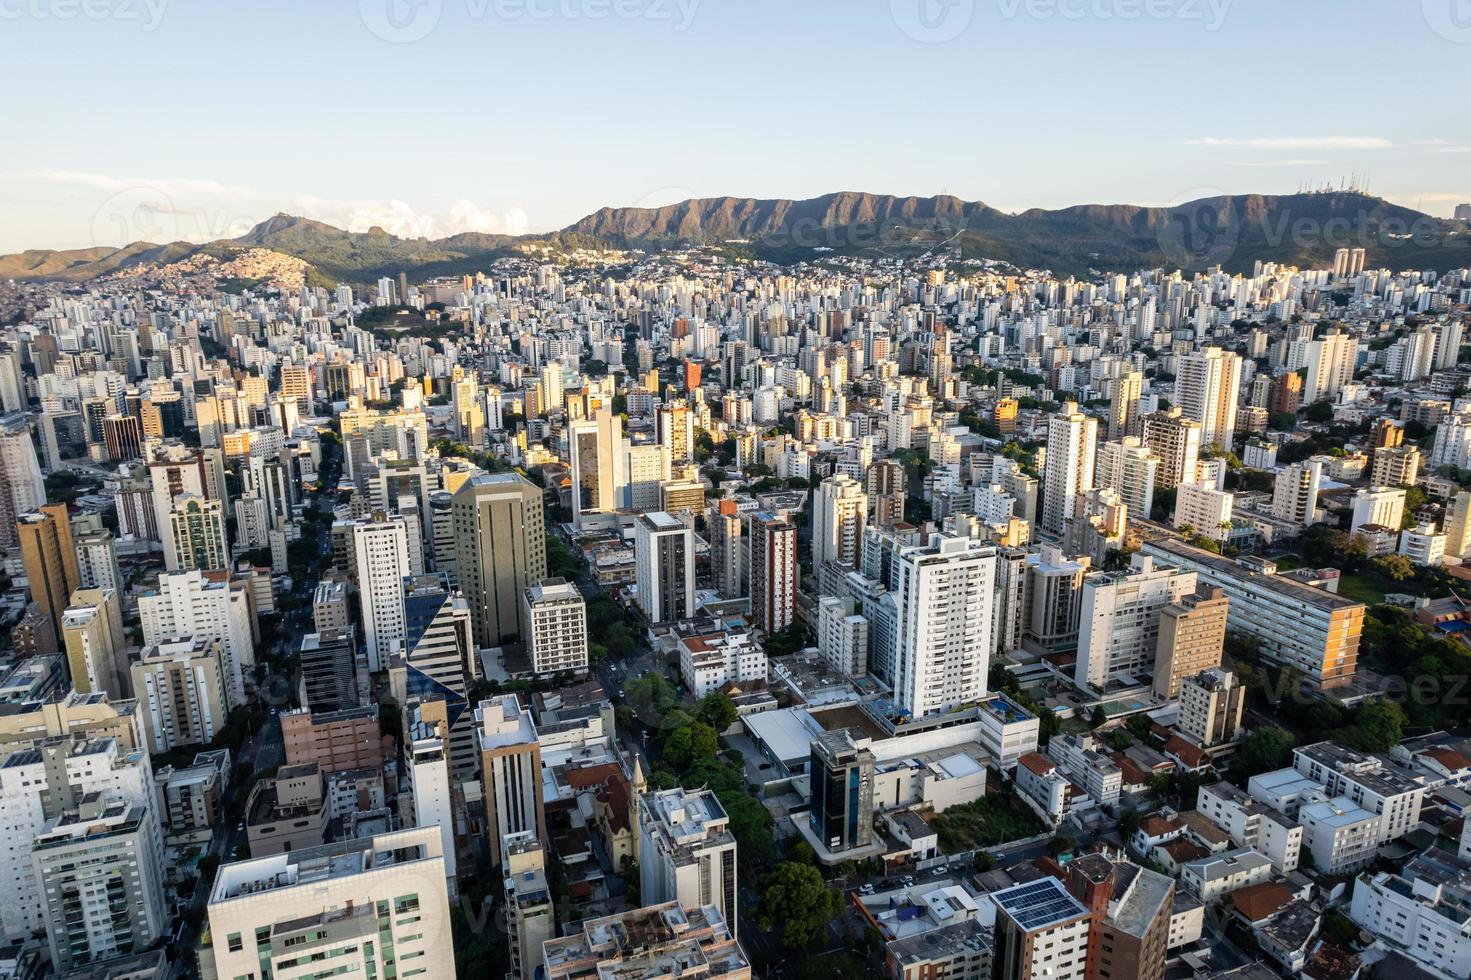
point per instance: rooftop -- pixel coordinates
(1041, 904)
(328, 862)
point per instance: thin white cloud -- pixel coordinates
(1297, 142)
(186, 209)
(1279, 163)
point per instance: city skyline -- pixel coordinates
(538, 118)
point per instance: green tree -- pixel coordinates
(1265, 749)
(1377, 726)
(716, 710)
(686, 745)
(795, 900)
(1396, 568)
(1061, 844)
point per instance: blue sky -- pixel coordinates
(196, 118)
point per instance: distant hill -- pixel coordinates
(1233, 232)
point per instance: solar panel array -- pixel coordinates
(1039, 903)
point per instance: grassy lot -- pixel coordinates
(1368, 589)
(1365, 589)
(993, 819)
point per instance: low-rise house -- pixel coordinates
(1211, 879)
(1154, 831)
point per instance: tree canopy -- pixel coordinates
(796, 900)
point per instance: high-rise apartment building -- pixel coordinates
(595, 446)
(380, 547)
(196, 534)
(945, 603)
(1072, 441)
(675, 427)
(50, 560)
(372, 907)
(1131, 909)
(100, 874)
(773, 572)
(96, 648)
(1211, 707)
(1041, 932)
(1208, 388)
(686, 851)
(1330, 363)
(530, 917)
(724, 523)
(1131, 469)
(328, 669)
(842, 635)
(1295, 491)
(180, 687)
(1396, 466)
(41, 783)
(664, 567)
(1118, 629)
(1176, 440)
(500, 542)
(511, 767)
(429, 801)
(1204, 510)
(1192, 635)
(840, 513)
(22, 487)
(1123, 411)
(205, 605)
(1381, 506)
(97, 560)
(556, 627)
(1458, 525)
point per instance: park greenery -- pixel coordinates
(683, 738)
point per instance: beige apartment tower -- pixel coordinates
(96, 649)
(50, 560)
(500, 551)
(1192, 633)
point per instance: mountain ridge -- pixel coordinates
(1233, 231)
